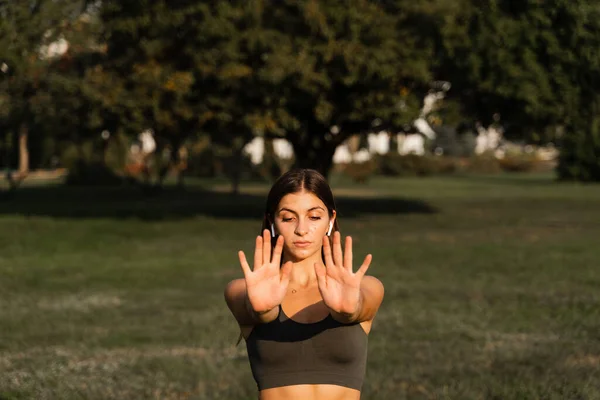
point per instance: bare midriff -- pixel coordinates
(310, 392)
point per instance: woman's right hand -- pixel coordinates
(267, 282)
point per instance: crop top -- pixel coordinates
(284, 352)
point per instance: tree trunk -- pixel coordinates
(272, 166)
(23, 171)
(23, 151)
(236, 172)
(181, 165)
(393, 143)
(164, 165)
(318, 158)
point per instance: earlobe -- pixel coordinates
(330, 228)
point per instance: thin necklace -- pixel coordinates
(296, 290)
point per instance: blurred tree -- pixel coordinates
(147, 71)
(535, 64)
(313, 72)
(31, 35)
(334, 70)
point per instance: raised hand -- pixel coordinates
(339, 286)
(267, 282)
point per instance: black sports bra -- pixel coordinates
(285, 352)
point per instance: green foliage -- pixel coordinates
(580, 152)
(313, 72)
(340, 66)
(287, 68)
(535, 65)
(26, 31)
(43, 89)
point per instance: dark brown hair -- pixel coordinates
(295, 181)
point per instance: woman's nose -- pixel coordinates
(301, 228)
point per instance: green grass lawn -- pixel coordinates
(492, 289)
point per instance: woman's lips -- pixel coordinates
(301, 244)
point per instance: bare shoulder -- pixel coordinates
(372, 290)
(235, 290)
(235, 286)
(373, 285)
(235, 297)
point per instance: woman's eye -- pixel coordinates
(286, 219)
(315, 218)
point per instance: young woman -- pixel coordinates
(303, 310)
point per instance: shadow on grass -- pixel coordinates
(511, 179)
(171, 203)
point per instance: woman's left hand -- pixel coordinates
(339, 286)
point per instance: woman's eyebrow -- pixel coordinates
(310, 209)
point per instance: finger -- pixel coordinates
(365, 266)
(277, 251)
(266, 247)
(337, 249)
(244, 264)
(327, 252)
(321, 275)
(258, 253)
(286, 271)
(348, 254)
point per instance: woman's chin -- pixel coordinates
(300, 254)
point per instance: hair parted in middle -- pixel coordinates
(296, 181)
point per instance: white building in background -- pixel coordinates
(54, 49)
(413, 143)
(144, 146)
(342, 155)
(255, 149)
(379, 143)
(283, 149)
(488, 139)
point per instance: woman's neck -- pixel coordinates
(303, 271)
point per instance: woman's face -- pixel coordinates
(302, 219)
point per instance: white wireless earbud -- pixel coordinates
(272, 230)
(330, 228)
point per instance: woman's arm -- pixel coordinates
(370, 298)
(237, 301)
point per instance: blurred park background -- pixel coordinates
(138, 140)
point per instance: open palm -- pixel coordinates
(267, 282)
(338, 284)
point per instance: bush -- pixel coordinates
(92, 174)
(518, 162)
(485, 163)
(393, 164)
(580, 152)
(360, 172)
